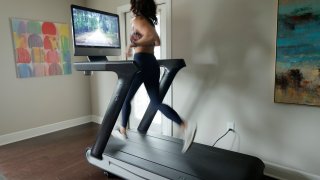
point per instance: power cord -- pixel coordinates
(222, 136)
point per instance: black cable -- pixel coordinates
(222, 136)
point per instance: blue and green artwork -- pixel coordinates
(297, 78)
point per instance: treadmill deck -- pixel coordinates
(162, 155)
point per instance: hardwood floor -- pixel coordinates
(59, 156)
(56, 156)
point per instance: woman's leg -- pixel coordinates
(150, 75)
(151, 81)
(126, 107)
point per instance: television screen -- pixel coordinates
(95, 33)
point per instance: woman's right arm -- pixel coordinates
(149, 37)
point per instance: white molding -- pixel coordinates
(168, 26)
(33, 132)
(99, 119)
(96, 119)
(284, 173)
(121, 11)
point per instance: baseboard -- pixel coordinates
(96, 119)
(285, 173)
(99, 119)
(30, 133)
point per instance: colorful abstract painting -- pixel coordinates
(297, 78)
(41, 48)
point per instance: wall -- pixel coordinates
(35, 102)
(229, 47)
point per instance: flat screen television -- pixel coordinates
(96, 34)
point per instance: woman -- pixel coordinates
(143, 39)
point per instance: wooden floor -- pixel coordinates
(56, 156)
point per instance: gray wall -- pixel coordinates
(35, 102)
(229, 46)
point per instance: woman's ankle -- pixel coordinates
(183, 125)
(123, 130)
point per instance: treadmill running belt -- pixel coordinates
(161, 154)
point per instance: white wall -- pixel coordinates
(35, 102)
(229, 47)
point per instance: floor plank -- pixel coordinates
(57, 156)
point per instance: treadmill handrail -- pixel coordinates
(125, 71)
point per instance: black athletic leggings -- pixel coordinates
(149, 75)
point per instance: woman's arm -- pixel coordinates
(149, 34)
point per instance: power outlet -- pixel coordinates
(230, 125)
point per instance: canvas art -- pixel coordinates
(297, 78)
(41, 48)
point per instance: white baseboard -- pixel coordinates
(286, 173)
(30, 133)
(96, 119)
(99, 119)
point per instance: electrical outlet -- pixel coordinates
(230, 125)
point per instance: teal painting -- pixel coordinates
(297, 78)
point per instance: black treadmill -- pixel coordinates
(151, 156)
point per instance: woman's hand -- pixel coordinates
(129, 49)
(128, 52)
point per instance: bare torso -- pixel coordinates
(143, 49)
(144, 35)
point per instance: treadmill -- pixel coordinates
(152, 156)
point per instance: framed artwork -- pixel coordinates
(297, 78)
(41, 48)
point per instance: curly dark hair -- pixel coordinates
(145, 8)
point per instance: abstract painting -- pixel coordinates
(297, 78)
(41, 48)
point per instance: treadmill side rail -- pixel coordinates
(121, 168)
(125, 71)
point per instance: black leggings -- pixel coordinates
(149, 75)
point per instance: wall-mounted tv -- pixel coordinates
(96, 34)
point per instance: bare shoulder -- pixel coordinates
(139, 20)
